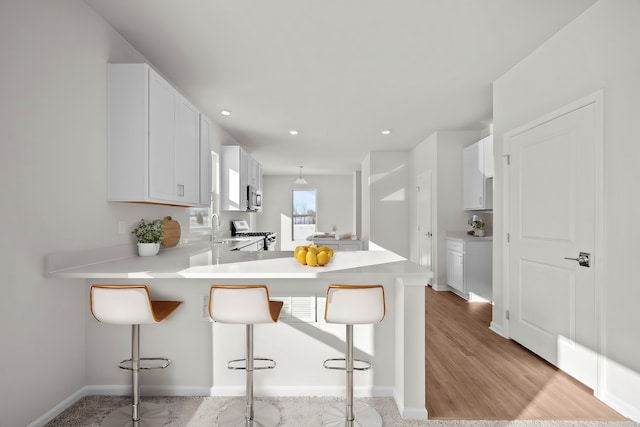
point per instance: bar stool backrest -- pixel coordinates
(353, 305)
(122, 305)
(246, 304)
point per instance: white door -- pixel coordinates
(552, 207)
(425, 223)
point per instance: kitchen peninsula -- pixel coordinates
(200, 349)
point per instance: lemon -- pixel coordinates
(301, 256)
(312, 259)
(323, 258)
(313, 249)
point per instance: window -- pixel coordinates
(304, 213)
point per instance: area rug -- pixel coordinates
(294, 411)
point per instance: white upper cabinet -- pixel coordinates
(238, 170)
(206, 169)
(478, 174)
(154, 139)
(234, 178)
(255, 173)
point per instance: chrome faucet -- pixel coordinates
(213, 227)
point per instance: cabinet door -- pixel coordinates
(244, 179)
(455, 270)
(258, 176)
(233, 178)
(251, 169)
(187, 153)
(206, 168)
(473, 172)
(162, 131)
(487, 148)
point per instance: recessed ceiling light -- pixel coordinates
(225, 112)
(385, 132)
(293, 132)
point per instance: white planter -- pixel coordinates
(148, 249)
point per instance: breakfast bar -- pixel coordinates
(299, 342)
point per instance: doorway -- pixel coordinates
(554, 204)
(424, 199)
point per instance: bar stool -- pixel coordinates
(246, 305)
(352, 305)
(132, 305)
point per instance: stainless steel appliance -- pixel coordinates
(254, 199)
(240, 228)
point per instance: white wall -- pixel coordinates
(599, 50)
(335, 204)
(441, 153)
(385, 201)
(53, 121)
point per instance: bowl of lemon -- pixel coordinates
(313, 256)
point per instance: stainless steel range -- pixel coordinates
(241, 228)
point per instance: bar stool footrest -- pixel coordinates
(127, 364)
(234, 364)
(339, 364)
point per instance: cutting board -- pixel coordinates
(170, 232)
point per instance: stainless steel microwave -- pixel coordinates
(254, 199)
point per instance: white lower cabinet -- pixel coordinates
(455, 267)
(340, 245)
(469, 266)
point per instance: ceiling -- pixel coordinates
(338, 71)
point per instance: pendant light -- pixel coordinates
(300, 180)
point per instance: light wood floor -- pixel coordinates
(473, 373)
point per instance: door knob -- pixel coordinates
(583, 259)
(428, 234)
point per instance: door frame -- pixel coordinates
(597, 99)
(434, 233)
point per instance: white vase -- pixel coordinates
(148, 249)
(480, 233)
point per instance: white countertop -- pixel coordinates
(462, 235)
(206, 261)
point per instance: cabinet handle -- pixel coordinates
(180, 190)
(480, 200)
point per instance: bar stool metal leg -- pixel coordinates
(349, 414)
(249, 413)
(137, 414)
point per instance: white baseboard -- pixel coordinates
(410, 413)
(440, 288)
(497, 329)
(59, 408)
(619, 388)
(117, 390)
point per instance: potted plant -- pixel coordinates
(149, 234)
(478, 227)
